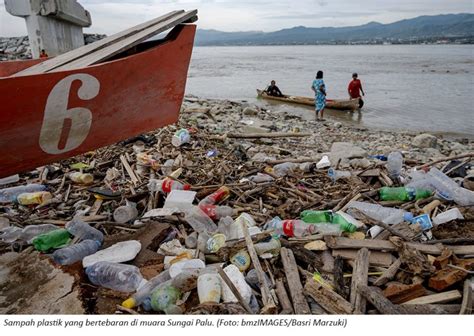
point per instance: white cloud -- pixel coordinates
(109, 16)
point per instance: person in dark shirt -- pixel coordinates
(355, 88)
(273, 90)
(43, 54)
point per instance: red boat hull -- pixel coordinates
(48, 117)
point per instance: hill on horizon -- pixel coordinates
(422, 27)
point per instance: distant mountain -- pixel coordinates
(422, 27)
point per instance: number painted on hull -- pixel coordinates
(56, 113)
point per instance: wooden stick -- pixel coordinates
(374, 295)
(388, 274)
(267, 135)
(129, 170)
(467, 298)
(373, 222)
(266, 295)
(462, 156)
(234, 290)
(431, 309)
(293, 280)
(285, 302)
(359, 277)
(302, 160)
(436, 298)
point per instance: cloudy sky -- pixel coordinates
(110, 16)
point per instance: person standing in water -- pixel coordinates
(319, 89)
(355, 88)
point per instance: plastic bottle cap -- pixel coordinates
(129, 303)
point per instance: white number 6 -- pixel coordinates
(56, 112)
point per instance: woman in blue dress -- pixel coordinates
(319, 89)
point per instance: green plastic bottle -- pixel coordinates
(164, 298)
(314, 216)
(403, 194)
(51, 239)
(343, 223)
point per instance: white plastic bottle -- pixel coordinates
(238, 280)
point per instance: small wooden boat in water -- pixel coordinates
(346, 105)
(95, 95)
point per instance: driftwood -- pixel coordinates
(388, 274)
(436, 298)
(359, 277)
(375, 297)
(376, 258)
(332, 302)
(282, 295)
(467, 298)
(450, 158)
(266, 135)
(293, 280)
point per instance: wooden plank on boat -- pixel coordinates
(127, 43)
(72, 55)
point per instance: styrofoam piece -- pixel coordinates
(120, 252)
(181, 199)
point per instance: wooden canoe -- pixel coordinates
(336, 104)
(46, 117)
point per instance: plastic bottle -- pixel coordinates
(51, 239)
(9, 179)
(384, 214)
(241, 259)
(167, 167)
(273, 246)
(180, 137)
(394, 164)
(216, 197)
(284, 169)
(343, 223)
(166, 185)
(291, 228)
(260, 178)
(186, 281)
(307, 167)
(448, 189)
(380, 157)
(38, 197)
(185, 265)
(164, 298)
(9, 195)
(126, 213)
(191, 240)
(314, 216)
(145, 291)
(119, 277)
(81, 178)
(216, 212)
(27, 233)
(71, 254)
(199, 221)
(335, 175)
(447, 216)
(10, 234)
(252, 279)
(216, 242)
(209, 288)
(84, 231)
(403, 194)
(323, 163)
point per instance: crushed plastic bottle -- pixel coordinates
(394, 165)
(233, 229)
(28, 233)
(273, 247)
(119, 277)
(199, 221)
(335, 175)
(81, 178)
(71, 254)
(126, 213)
(9, 195)
(9, 179)
(84, 231)
(180, 137)
(284, 169)
(166, 185)
(50, 240)
(145, 291)
(216, 212)
(39, 197)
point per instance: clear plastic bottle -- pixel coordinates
(273, 246)
(119, 277)
(126, 213)
(335, 175)
(71, 254)
(81, 229)
(384, 214)
(199, 221)
(394, 164)
(9, 179)
(216, 212)
(284, 169)
(167, 167)
(291, 228)
(145, 291)
(32, 231)
(166, 185)
(216, 197)
(448, 189)
(9, 195)
(10, 234)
